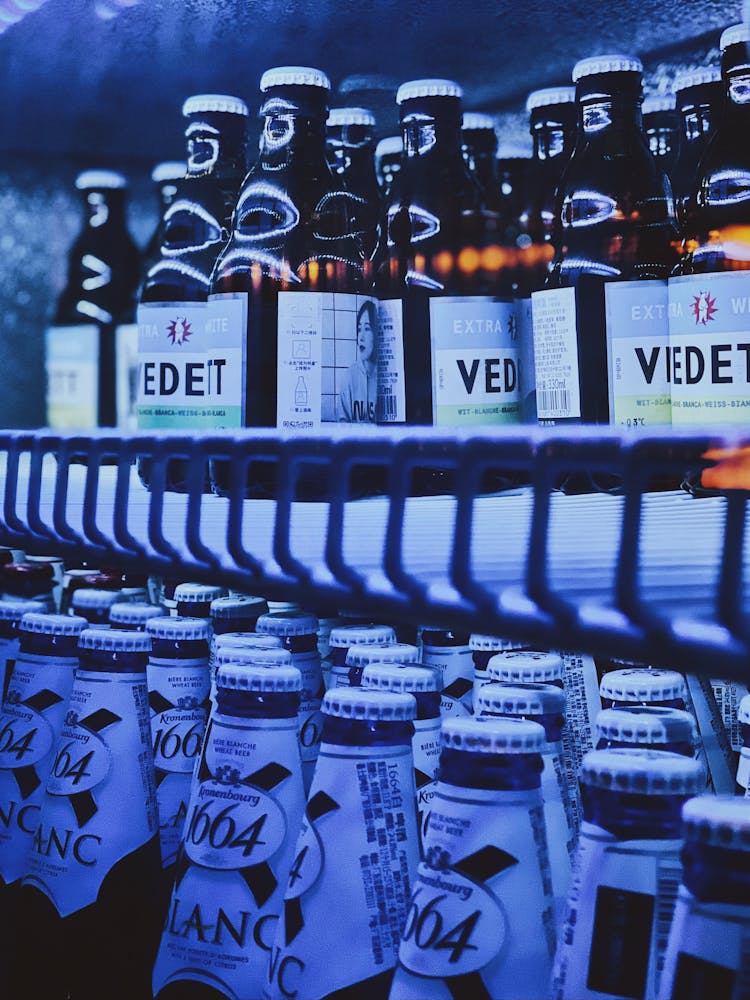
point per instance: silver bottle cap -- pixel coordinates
(257, 677)
(344, 636)
(374, 706)
(550, 96)
(399, 677)
(294, 76)
(497, 698)
(178, 628)
(287, 623)
(115, 639)
(50, 624)
(252, 656)
(427, 88)
(642, 684)
(493, 735)
(219, 103)
(526, 665)
(649, 725)
(643, 772)
(718, 821)
(613, 63)
(394, 652)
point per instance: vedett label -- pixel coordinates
(475, 351)
(637, 316)
(191, 363)
(709, 343)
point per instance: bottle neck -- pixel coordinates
(699, 110)
(494, 771)
(552, 723)
(114, 661)
(684, 748)
(553, 131)
(631, 816)
(179, 649)
(365, 732)
(216, 144)
(222, 626)
(257, 704)
(431, 133)
(37, 644)
(294, 130)
(610, 113)
(735, 72)
(104, 208)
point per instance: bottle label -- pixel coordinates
(310, 717)
(100, 801)
(559, 820)
(358, 846)
(710, 348)
(327, 359)
(474, 342)
(638, 352)
(126, 375)
(709, 951)
(582, 705)
(178, 698)
(426, 748)
(72, 364)
(728, 695)
(619, 913)
(526, 364)
(30, 724)
(558, 391)
(391, 367)
(481, 916)
(246, 806)
(191, 363)
(455, 666)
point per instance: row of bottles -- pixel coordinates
(181, 802)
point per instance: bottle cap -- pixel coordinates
(399, 677)
(287, 623)
(646, 724)
(221, 103)
(196, 593)
(273, 656)
(46, 624)
(594, 65)
(718, 821)
(294, 76)
(734, 35)
(643, 772)
(427, 88)
(493, 735)
(245, 640)
(394, 652)
(488, 643)
(224, 608)
(13, 611)
(248, 676)
(658, 102)
(476, 121)
(350, 116)
(548, 96)
(642, 684)
(91, 598)
(178, 628)
(743, 711)
(520, 699)
(526, 665)
(169, 170)
(697, 77)
(392, 144)
(344, 636)
(127, 613)
(109, 179)
(374, 706)
(115, 639)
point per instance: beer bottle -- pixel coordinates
(11, 613)
(388, 156)
(708, 298)
(133, 615)
(194, 600)
(600, 326)
(103, 272)
(654, 727)
(350, 141)
(661, 125)
(479, 149)
(89, 900)
(448, 653)
(699, 98)
(165, 176)
(307, 355)
(245, 810)
(184, 368)
(483, 649)
(94, 605)
(448, 353)
(342, 638)
(358, 656)
(236, 614)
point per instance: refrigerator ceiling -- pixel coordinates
(104, 80)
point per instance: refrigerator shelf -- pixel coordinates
(657, 577)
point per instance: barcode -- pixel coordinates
(388, 408)
(668, 878)
(553, 402)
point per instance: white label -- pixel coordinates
(72, 363)
(356, 856)
(95, 811)
(582, 705)
(559, 820)
(482, 903)
(126, 375)
(327, 359)
(526, 364)
(709, 950)
(246, 806)
(310, 717)
(178, 698)
(728, 695)
(474, 342)
(709, 341)
(426, 748)
(30, 724)
(191, 364)
(558, 391)
(638, 352)
(391, 368)
(618, 916)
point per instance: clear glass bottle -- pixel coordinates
(601, 325)
(103, 272)
(480, 921)
(342, 637)
(92, 876)
(626, 873)
(246, 806)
